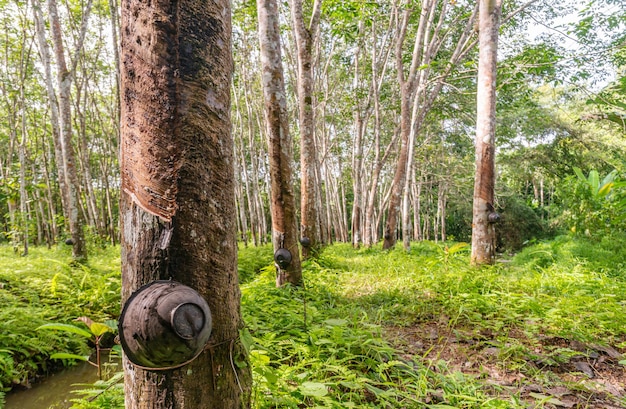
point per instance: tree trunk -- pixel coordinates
(68, 160)
(309, 191)
(357, 152)
(54, 107)
(177, 208)
(417, 92)
(25, 216)
(284, 223)
(483, 232)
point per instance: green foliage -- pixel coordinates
(592, 204)
(521, 223)
(107, 394)
(252, 259)
(327, 345)
(331, 344)
(48, 289)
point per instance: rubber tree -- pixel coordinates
(310, 193)
(284, 223)
(483, 226)
(420, 84)
(178, 203)
(67, 160)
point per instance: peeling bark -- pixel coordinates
(178, 203)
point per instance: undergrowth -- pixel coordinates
(328, 346)
(44, 287)
(331, 344)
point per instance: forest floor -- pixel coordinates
(423, 329)
(372, 329)
(594, 378)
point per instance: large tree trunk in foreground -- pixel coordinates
(284, 223)
(178, 203)
(483, 232)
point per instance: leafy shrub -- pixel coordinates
(520, 224)
(592, 206)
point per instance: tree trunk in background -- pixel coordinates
(25, 216)
(54, 107)
(114, 17)
(417, 91)
(406, 194)
(407, 85)
(357, 149)
(309, 188)
(483, 232)
(64, 82)
(177, 208)
(284, 223)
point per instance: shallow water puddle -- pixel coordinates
(54, 391)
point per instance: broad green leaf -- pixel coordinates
(335, 322)
(609, 178)
(111, 324)
(605, 189)
(313, 389)
(63, 355)
(67, 328)
(580, 175)
(594, 181)
(98, 328)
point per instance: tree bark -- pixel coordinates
(68, 159)
(178, 204)
(309, 191)
(54, 107)
(284, 223)
(483, 232)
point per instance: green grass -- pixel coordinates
(342, 356)
(348, 339)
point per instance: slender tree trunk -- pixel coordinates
(23, 166)
(406, 195)
(49, 199)
(417, 198)
(442, 210)
(483, 232)
(284, 223)
(84, 156)
(177, 207)
(54, 107)
(114, 17)
(309, 191)
(64, 83)
(357, 155)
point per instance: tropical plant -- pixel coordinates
(592, 204)
(96, 331)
